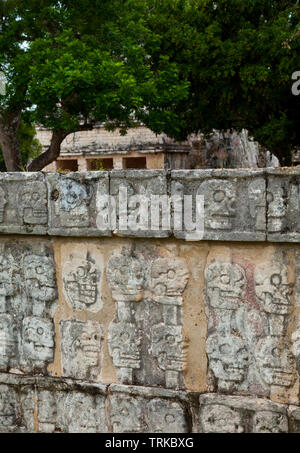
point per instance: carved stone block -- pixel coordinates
(138, 211)
(37, 342)
(236, 414)
(10, 410)
(40, 281)
(73, 203)
(81, 283)
(81, 349)
(234, 203)
(247, 313)
(23, 203)
(283, 199)
(141, 409)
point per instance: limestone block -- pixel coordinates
(10, 409)
(40, 281)
(235, 414)
(145, 339)
(249, 308)
(134, 192)
(81, 349)
(283, 204)
(74, 203)
(27, 302)
(135, 409)
(23, 203)
(234, 203)
(37, 342)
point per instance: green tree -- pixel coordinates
(70, 65)
(239, 57)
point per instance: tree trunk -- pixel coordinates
(10, 144)
(51, 154)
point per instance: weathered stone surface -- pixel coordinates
(28, 295)
(73, 201)
(249, 306)
(81, 278)
(133, 190)
(231, 414)
(134, 409)
(81, 349)
(23, 203)
(283, 200)
(156, 285)
(234, 202)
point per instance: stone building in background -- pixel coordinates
(140, 148)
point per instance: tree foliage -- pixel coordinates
(177, 66)
(73, 64)
(239, 57)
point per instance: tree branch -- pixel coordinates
(53, 150)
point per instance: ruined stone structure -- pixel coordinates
(100, 149)
(114, 330)
(142, 149)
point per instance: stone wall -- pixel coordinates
(114, 330)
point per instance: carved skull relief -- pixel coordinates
(274, 289)
(220, 419)
(33, 204)
(276, 208)
(226, 284)
(169, 277)
(81, 348)
(72, 204)
(124, 344)
(38, 339)
(81, 279)
(125, 275)
(228, 357)
(40, 277)
(275, 361)
(168, 347)
(171, 417)
(219, 203)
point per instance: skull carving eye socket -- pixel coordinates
(243, 352)
(81, 271)
(39, 270)
(29, 333)
(225, 279)
(171, 274)
(276, 279)
(219, 196)
(270, 197)
(40, 330)
(170, 339)
(225, 348)
(275, 352)
(170, 418)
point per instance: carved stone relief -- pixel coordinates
(81, 278)
(81, 349)
(247, 347)
(156, 285)
(219, 203)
